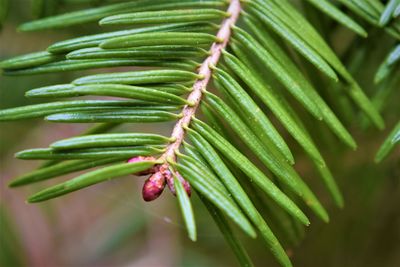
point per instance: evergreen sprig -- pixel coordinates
(244, 50)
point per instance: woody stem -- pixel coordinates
(200, 85)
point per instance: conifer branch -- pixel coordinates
(200, 85)
(172, 37)
(154, 185)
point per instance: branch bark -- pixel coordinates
(200, 85)
(161, 174)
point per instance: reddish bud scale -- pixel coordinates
(153, 187)
(171, 186)
(161, 175)
(169, 178)
(185, 183)
(145, 172)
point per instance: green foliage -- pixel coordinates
(10, 244)
(391, 141)
(267, 71)
(186, 208)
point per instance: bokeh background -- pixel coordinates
(110, 225)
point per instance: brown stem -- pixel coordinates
(200, 85)
(155, 184)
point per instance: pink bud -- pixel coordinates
(153, 187)
(170, 181)
(185, 183)
(171, 186)
(135, 159)
(145, 172)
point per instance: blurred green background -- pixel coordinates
(110, 224)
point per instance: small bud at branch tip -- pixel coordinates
(153, 187)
